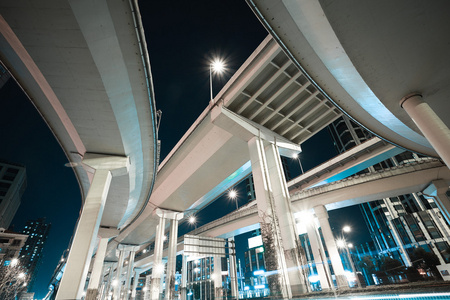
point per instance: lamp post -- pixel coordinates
(344, 230)
(297, 157)
(216, 66)
(232, 194)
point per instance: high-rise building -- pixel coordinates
(10, 245)
(255, 285)
(32, 253)
(12, 185)
(398, 224)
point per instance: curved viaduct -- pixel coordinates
(383, 64)
(85, 67)
(405, 179)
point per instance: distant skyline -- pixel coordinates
(52, 190)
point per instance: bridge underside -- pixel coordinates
(61, 54)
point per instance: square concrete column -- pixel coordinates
(137, 272)
(437, 190)
(319, 256)
(97, 270)
(217, 277)
(183, 277)
(132, 252)
(147, 288)
(74, 278)
(106, 291)
(158, 267)
(117, 282)
(281, 242)
(172, 255)
(336, 262)
(233, 268)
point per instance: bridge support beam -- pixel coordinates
(217, 277)
(132, 252)
(136, 273)
(437, 190)
(429, 123)
(117, 282)
(184, 277)
(172, 256)
(97, 270)
(319, 258)
(107, 286)
(233, 269)
(158, 267)
(278, 230)
(79, 259)
(338, 268)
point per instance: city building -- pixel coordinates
(32, 252)
(199, 280)
(10, 245)
(255, 267)
(12, 185)
(399, 224)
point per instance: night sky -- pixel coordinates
(182, 37)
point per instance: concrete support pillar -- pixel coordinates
(320, 259)
(103, 282)
(97, 270)
(437, 190)
(233, 268)
(107, 289)
(147, 287)
(118, 278)
(158, 267)
(172, 257)
(432, 127)
(74, 278)
(322, 216)
(132, 250)
(184, 277)
(281, 242)
(217, 277)
(137, 272)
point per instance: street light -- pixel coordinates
(232, 194)
(193, 221)
(348, 229)
(297, 157)
(216, 66)
(14, 262)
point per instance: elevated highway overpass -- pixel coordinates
(103, 115)
(414, 177)
(85, 67)
(383, 64)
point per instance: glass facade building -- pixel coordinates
(199, 280)
(32, 252)
(398, 224)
